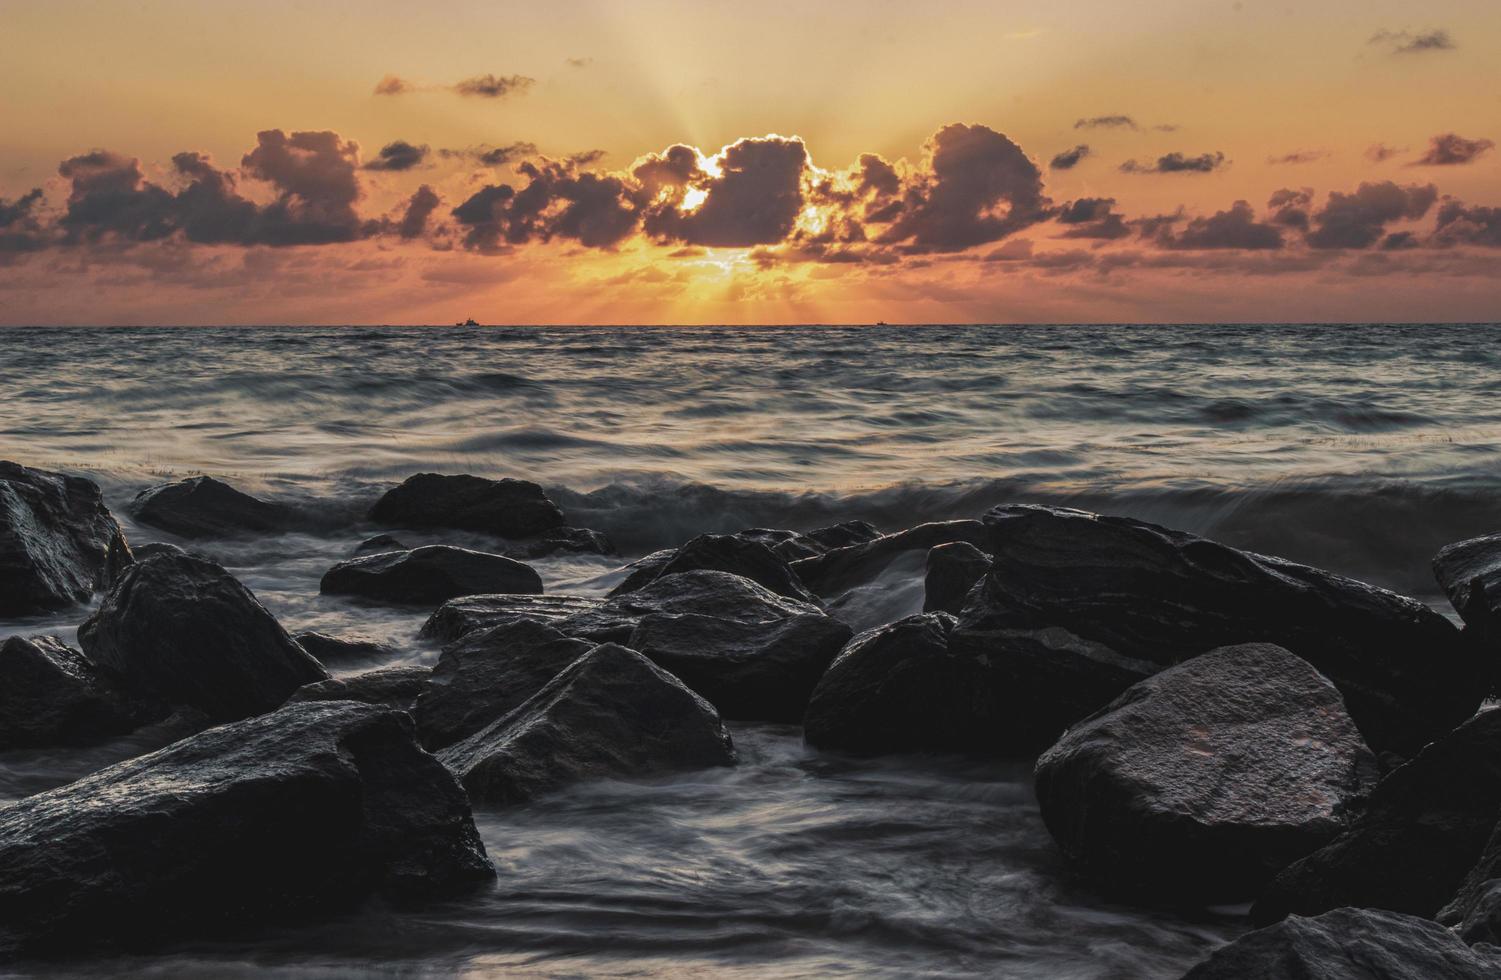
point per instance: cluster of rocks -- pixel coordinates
(1209, 725)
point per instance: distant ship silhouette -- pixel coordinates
(467, 323)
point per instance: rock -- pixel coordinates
(560, 541)
(721, 595)
(1422, 830)
(505, 508)
(50, 694)
(379, 544)
(757, 671)
(180, 629)
(953, 569)
(1469, 572)
(1475, 912)
(1161, 596)
(725, 553)
(1349, 944)
(843, 568)
(297, 814)
(793, 545)
(342, 649)
(434, 573)
(58, 542)
(395, 687)
(611, 714)
(485, 674)
(203, 507)
(459, 617)
(1202, 782)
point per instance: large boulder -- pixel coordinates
(1161, 596)
(203, 507)
(726, 553)
(610, 714)
(342, 650)
(953, 569)
(717, 594)
(178, 628)
(762, 671)
(1203, 781)
(504, 508)
(484, 675)
(397, 686)
(1422, 830)
(843, 568)
(457, 618)
(793, 545)
(297, 814)
(50, 694)
(559, 541)
(1469, 572)
(1349, 944)
(58, 542)
(1475, 912)
(430, 574)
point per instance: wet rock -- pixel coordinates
(1349, 944)
(50, 694)
(844, 568)
(430, 574)
(720, 595)
(203, 507)
(726, 553)
(460, 617)
(486, 674)
(379, 544)
(1475, 912)
(180, 629)
(1151, 594)
(58, 542)
(297, 814)
(611, 714)
(1469, 572)
(395, 687)
(953, 569)
(505, 508)
(1422, 830)
(559, 541)
(793, 545)
(339, 650)
(1203, 781)
(756, 671)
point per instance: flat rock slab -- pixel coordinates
(397, 687)
(457, 618)
(59, 544)
(434, 573)
(505, 508)
(203, 507)
(1203, 781)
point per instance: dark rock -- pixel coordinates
(643, 571)
(203, 507)
(953, 569)
(180, 629)
(342, 649)
(50, 694)
(486, 674)
(505, 508)
(721, 595)
(1470, 574)
(395, 687)
(460, 617)
(856, 564)
(434, 573)
(610, 714)
(1200, 783)
(300, 813)
(379, 544)
(758, 671)
(58, 542)
(728, 553)
(560, 541)
(793, 545)
(1349, 944)
(1422, 830)
(1162, 596)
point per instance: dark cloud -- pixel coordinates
(1177, 163)
(1106, 122)
(557, 202)
(420, 206)
(1092, 218)
(1290, 207)
(316, 175)
(493, 156)
(494, 86)
(1235, 228)
(20, 227)
(1380, 152)
(399, 155)
(1406, 42)
(754, 200)
(110, 197)
(392, 85)
(1399, 241)
(586, 157)
(1298, 156)
(1069, 159)
(1358, 219)
(1459, 224)
(1451, 149)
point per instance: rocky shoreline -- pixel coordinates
(1209, 725)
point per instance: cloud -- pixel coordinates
(1290, 207)
(1358, 219)
(315, 174)
(557, 202)
(1380, 152)
(1093, 218)
(1236, 228)
(392, 85)
(397, 156)
(1177, 163)
(1298, 156)
(493, 156)
(420, 206)
(494, 86)
(1461, 224)
(20, 227)
(753, 200)
(1069, 159)
(1406, 42)
(1106, 122)
(578, 62)
(1451, 149)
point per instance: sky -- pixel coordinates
(842, 161)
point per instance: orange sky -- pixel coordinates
(177, 162)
